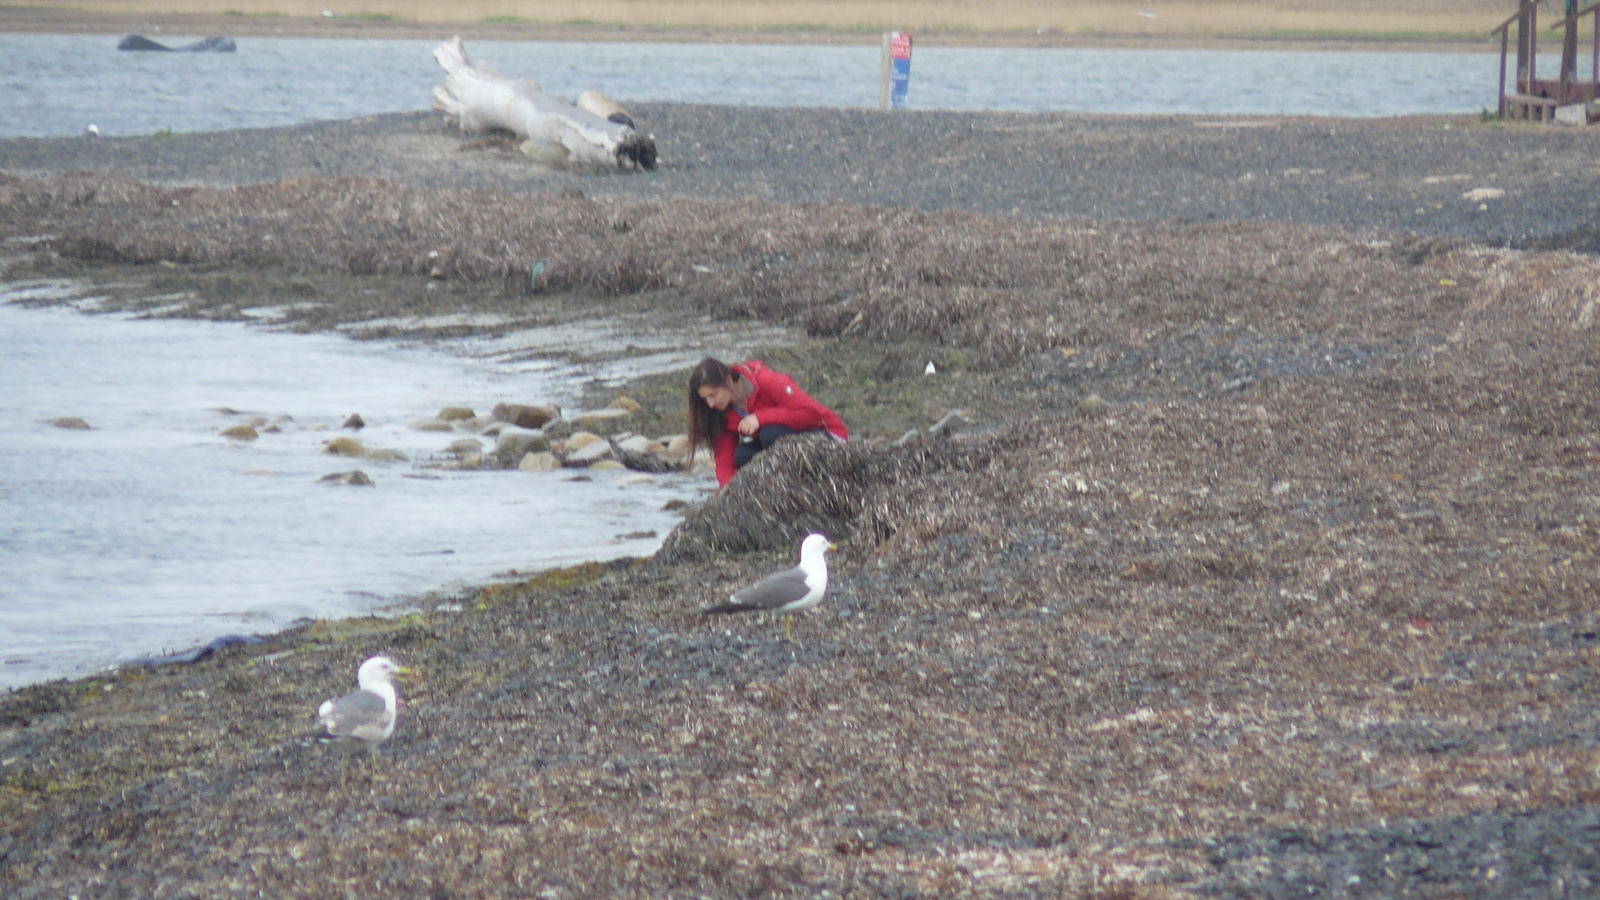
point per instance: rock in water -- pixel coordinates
(71, 423)
(589, 454)
(354, 478)
(344, 446)
(514, 443)
(524, 416)
(543, 461)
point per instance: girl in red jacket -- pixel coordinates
(741, 410)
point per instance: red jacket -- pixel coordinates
(774, 400)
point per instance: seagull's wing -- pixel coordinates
(771, 592)
(359, 714)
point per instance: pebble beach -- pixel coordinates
(1264, 564)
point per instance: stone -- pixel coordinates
(71, 423)
(582, 439)
(464, 446)
(432, 425)
(385, 455)
(636, 478)
(516, 442)
(495, 429)
(610, 413)
(344, 446)
(588, 454)
(678, 448)
(524, 416)
(355, 422)
(607, 465)
(637, 444)
(239, 433)
(354, 478)
(256, 421)
(628, 403)
(455, 414)
(472, 461)
(542, 461)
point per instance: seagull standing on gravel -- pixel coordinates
(364, 718)
(790, 591)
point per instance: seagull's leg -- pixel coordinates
(788, 627)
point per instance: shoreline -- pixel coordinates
(1265, 564)
(23, 20)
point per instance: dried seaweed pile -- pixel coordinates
(1004, 288)
(1278, 575)
(815, 484)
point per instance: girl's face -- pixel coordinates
(716, 397)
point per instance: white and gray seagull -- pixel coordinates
(790, 591)
(363, 719)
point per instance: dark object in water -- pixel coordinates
(211, 44)
(198, 653)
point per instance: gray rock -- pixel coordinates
(72, 423)
(355, 422)
(542, 461)
(514, 443)
(354, 478)
(589, 454)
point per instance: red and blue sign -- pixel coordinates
(900, 73)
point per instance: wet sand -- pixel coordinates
(1266, 566)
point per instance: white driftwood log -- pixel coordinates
(555, 132)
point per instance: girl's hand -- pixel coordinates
(749, 425)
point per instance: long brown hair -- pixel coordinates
(705, 423)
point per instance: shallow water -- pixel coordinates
(151, 532)
(55, 85)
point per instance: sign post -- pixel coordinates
(894, 70)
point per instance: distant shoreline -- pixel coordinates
(19, 20)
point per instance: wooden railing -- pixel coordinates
(1535, 98)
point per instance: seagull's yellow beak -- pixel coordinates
(833, 546)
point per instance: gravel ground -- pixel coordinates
(1404, 176)
(1267, 568)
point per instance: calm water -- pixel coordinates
(58, 84)
(151, 532)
